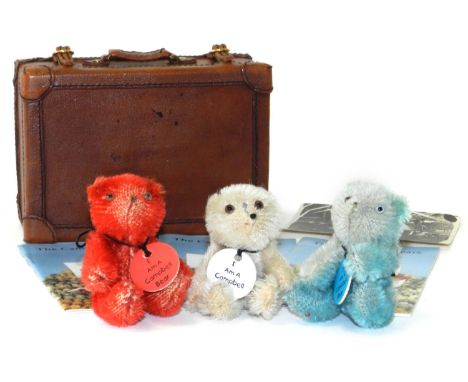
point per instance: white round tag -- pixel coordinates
(239, 274)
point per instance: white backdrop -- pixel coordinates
(363, 89)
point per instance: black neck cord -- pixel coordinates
(143, 246)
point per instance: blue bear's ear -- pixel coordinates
(401, 208)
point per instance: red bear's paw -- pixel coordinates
(96, 280)
(121, 306)
(169, 301)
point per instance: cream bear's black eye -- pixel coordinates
(109, 196)
(147, 196)
(259, 205)
(229, 209)
(380, 209)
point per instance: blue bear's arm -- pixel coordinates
(319, 270)
(371, 261)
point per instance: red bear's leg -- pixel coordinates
(122, 305)
(169, 301)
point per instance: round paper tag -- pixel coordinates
(157, 271)
(239, 274)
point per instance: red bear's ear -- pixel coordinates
(157, 188)
(96, 189)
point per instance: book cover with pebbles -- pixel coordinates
(58, 266)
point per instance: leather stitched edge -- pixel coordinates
(43, 94)
(254, 140)
(49, 226)
(254, 88)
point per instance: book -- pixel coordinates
(416, 265)
(59, 266)
(423, 227)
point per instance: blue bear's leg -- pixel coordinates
(371, 304)
(311, 303)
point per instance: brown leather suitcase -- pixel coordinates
(194, 123)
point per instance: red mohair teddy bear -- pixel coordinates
(126, 211)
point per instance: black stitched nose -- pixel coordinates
(133, 198)
(253, 216)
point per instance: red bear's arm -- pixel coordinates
(100, 267)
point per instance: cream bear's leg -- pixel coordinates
(196, 293)
(196, 289)
(218, 301)
(265, 299)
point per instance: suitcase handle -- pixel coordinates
(155, 55)
(219, 53)
(118, 54)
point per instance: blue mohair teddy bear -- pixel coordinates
(352, 272)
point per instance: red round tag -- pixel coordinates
(157, 271)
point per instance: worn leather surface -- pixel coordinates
(194, 128)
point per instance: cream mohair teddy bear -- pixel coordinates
(243, 217)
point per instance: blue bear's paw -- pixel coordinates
(370, 304)
(311, 304)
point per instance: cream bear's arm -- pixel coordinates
(199, 280)
(276, 265)
(320, 268)
(212, 249)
